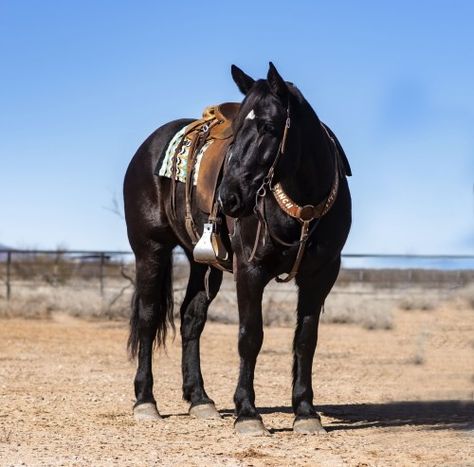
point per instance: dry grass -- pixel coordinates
(368, 312)
(419, 356)
(415, 302)
(80, 300)
(359, 304)
(467, 295)
(462, 298)
(279, 307)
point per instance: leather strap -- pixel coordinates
(193, 151)
(299, 256)
(308, 212)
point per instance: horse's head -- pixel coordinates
(258, 134)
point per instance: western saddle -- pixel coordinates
(213, 130)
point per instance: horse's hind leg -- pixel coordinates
(193, 318)
(151, 313)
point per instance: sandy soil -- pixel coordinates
(388, 397)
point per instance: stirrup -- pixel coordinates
(210, 249)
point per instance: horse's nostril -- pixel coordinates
(230, 202)
(233, 200)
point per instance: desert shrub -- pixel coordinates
(412, 302)
(279, 311)
(419, 356)
(370, 313)
(82, 299)
(466, 294)
(33, 305)
(278, 305)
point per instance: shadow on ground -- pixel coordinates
(452, 414)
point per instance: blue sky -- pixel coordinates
(84, 82)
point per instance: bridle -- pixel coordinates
(303, 214)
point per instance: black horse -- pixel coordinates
(285, 188)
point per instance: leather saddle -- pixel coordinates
(219, 118)
(208, 140)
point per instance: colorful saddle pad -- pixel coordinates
(181, 156)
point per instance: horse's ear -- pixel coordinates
(277, 83)
(243, 81)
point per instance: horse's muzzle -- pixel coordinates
(230, 202)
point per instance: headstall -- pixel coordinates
(303, 214)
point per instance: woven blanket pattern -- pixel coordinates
(166, 169)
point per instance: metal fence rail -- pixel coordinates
(56, 267)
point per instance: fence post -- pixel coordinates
(8, 282)
(56, 269)
(101, 273)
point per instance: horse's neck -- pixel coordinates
(313, 173)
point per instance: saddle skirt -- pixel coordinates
(196, 153)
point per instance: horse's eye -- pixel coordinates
(267, 127)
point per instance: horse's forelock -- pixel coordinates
(261, 90)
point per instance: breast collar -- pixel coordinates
(309, 212)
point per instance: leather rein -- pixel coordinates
(303, 214)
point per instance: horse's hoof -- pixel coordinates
(146, 412)
(204, 411)
(251, 427)
(308, 426)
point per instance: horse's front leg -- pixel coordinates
(313, 290)
(250, 285)
(193, 318)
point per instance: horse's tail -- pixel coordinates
(162, 314)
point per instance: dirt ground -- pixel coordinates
(397, 397)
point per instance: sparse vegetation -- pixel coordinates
(414, 302)
(44, 285)
(467, 295)
(370, 313)
(81, 299)
(419, 357)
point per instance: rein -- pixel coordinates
(303, 214)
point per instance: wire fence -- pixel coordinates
(22, 268)
(99, 284)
